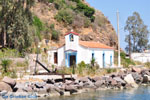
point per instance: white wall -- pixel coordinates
(73, 45)
(141, 57)
(85, 54)
(61, 56)
(51, 56)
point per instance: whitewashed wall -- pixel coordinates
(51, 56)
(71, 45)
(85, 54)
(61, 56)
(141, 57)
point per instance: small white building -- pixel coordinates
(74, 51)
(141, 57)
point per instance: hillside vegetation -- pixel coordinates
(61, 16)
(31, 22)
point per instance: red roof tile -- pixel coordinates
(94, 45)
(72, 33)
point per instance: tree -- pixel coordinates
(16, 19)
(137, 38)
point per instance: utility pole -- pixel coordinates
(119, 61)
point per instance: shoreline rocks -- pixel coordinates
(122, 80)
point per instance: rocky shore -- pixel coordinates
(124, 79)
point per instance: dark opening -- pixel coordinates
(72, 60)
(71, 38)
(103, 60)
(55, 58)
(92, 55)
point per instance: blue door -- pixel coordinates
(71, 58)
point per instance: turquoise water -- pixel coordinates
(141, 93)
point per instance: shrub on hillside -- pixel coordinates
(78, 21)
(100, 20)
(50, 1)
(5, 52)
(59, 4)
(65, 15)
(70, 4)
(88, 11)
(38, 25)
(76, 1)
(55, 35)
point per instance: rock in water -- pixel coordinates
(130, 80)
(9, 81)
(70, 88)
(5, 86)
(118, 79)
(99, 83)
(146, 79)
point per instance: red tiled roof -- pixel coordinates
(72, 33)
(94, 45)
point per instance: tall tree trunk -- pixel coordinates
(3, 37)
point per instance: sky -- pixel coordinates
(125, 9)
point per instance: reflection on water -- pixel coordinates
(141, 93)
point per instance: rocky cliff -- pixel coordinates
(64, 16)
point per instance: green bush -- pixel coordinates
(124, 61)
(65, 15)
(38, 25)
(111, 70)
(5, 63)
(50, 1)
(76, 1)
(22, 64)
(87, 23)
(59, 4)
(55, 35)
(88, 11)
(52, 26)
(81, 66)
(7, 53)
(93, 62)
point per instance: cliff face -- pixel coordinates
(100, 30)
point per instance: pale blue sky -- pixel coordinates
(125, 8)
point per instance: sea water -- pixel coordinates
(140, 93)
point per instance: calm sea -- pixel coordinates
(141, 93)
